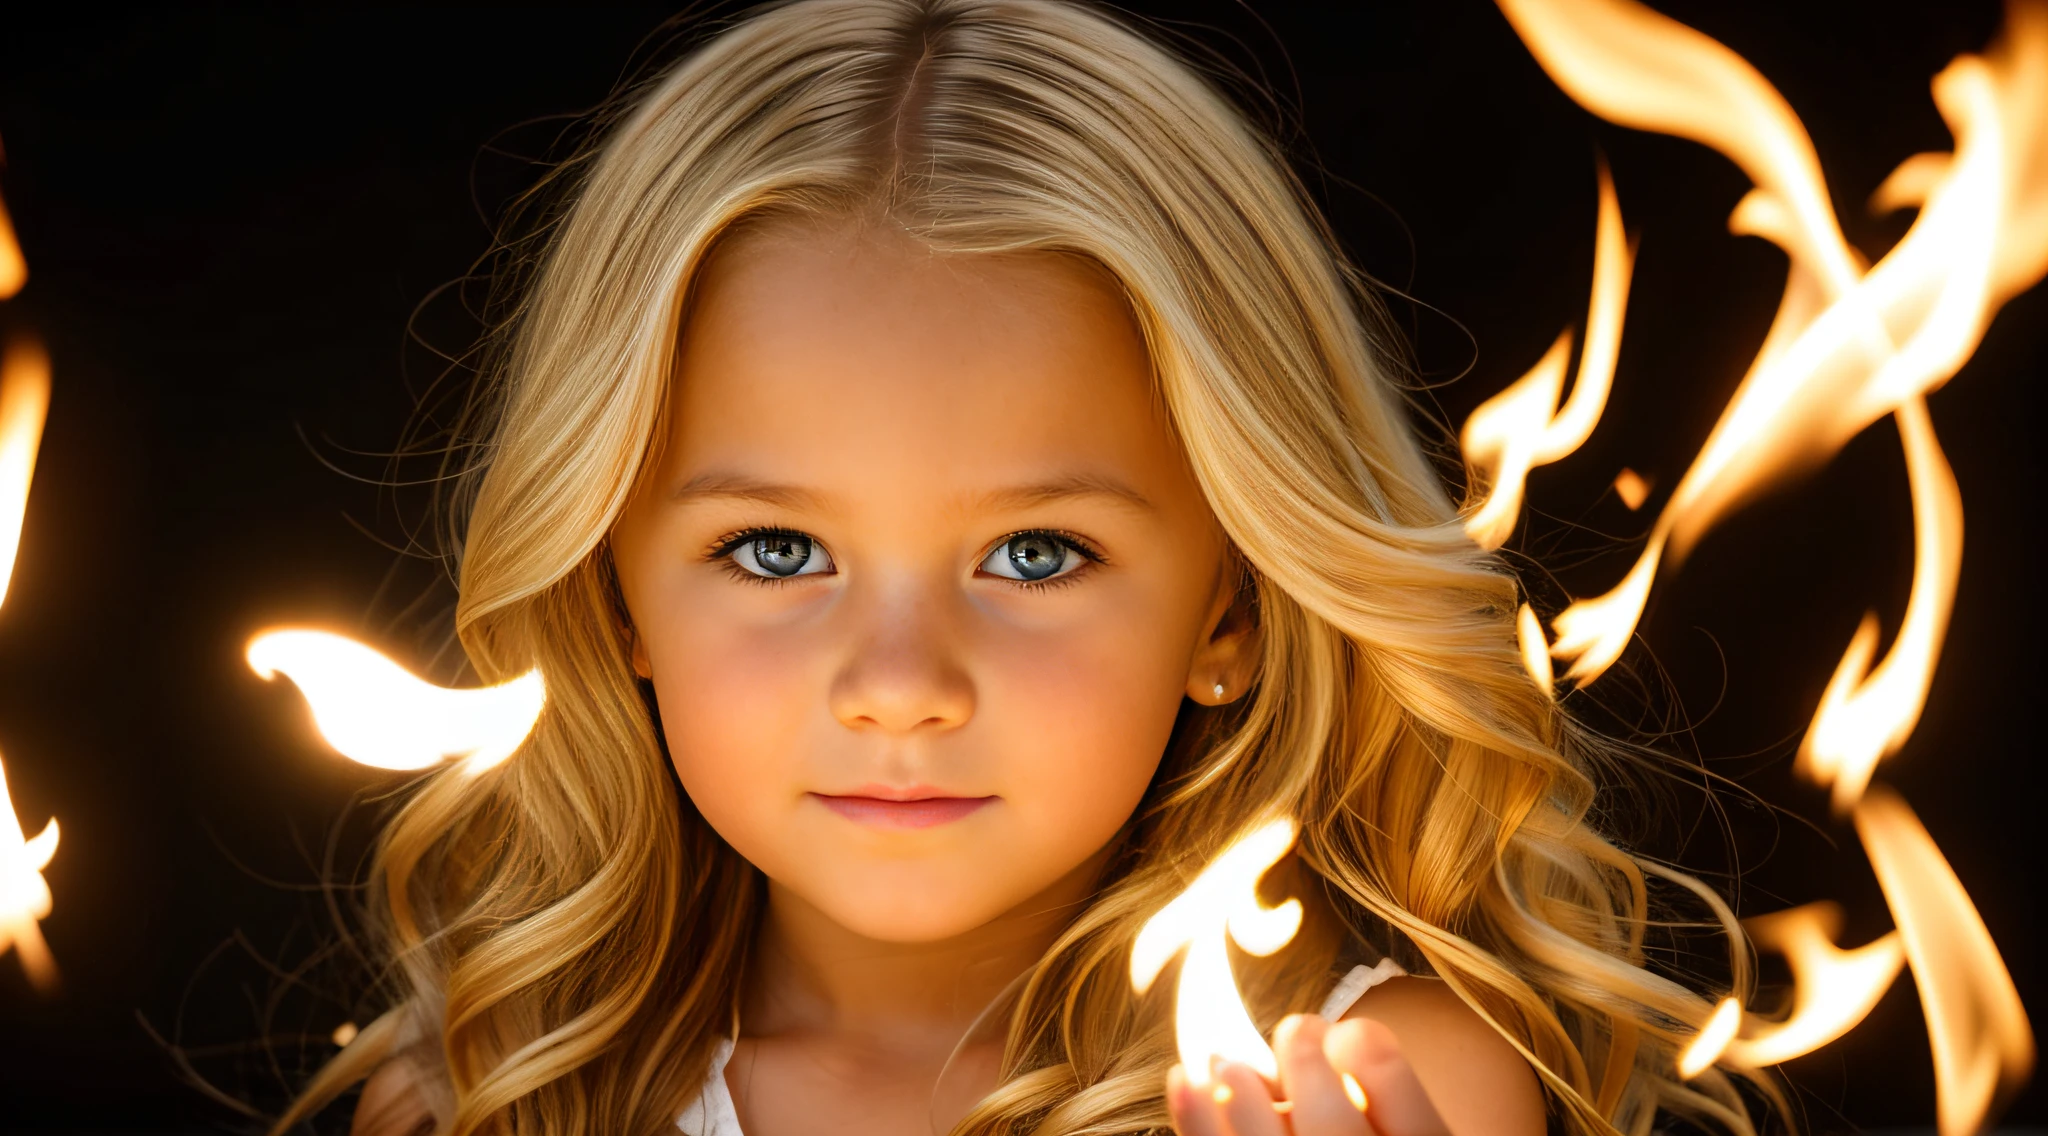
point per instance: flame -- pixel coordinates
(1353, 1091)
(13, 267)
(376, 712)
(1632, 488)
(24, 402)
(1834, 988)
(1210, 1022)
(1535, 649)
(24, 895)
(1523, 427)
(1983, 1047)
(1848, 346)
(1867, 714)
(1712, 1039)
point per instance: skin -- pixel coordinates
(909, 414)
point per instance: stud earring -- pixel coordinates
(1218, 688)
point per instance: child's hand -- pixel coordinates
(1314, 1057)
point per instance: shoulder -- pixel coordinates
(1479, 1083)
(393, 1103)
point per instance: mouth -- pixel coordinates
(881, 806)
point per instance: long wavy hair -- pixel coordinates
(571, 937)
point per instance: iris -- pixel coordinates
(1036, 556)
(782, 554)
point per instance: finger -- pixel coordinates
(1320, 1105)
(1194, 1112)
(1245, 1102)
(1396, 1103)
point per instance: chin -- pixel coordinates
(894, 909)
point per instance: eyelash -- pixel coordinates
(722, 549)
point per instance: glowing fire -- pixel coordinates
(1210, 1022)
(1712, 1040)
(376, 712)
(1983, 1048)
(1834, 988)
(1633, 489)
(1867, 714)
(24, 401)
(13, 267)
(24, 896)
(1850, 344)
(1535, 652)
(1523, 427)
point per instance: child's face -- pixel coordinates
(922, 576)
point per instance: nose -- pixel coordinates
(904, 674)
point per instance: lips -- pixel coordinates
(881, 806)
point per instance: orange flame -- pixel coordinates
(24, 403)
(1210, 1022)
(376, 712)
(1535, 650)
(1712, 1040)
(13, 267)
(24, 895)
(1983, 1047)
(1834, 989)
(1867, 714)
(1523, 427)
(1632, 488)
(1847, 346)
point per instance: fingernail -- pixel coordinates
(1221, 1094)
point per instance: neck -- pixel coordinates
(811, 975)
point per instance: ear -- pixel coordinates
(637, 652)
(642, 665)
(1228, 655)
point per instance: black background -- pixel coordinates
(230, 215)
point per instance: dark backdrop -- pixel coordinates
(230, 216)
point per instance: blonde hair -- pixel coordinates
(572, 936)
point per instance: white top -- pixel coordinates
(713, 1114)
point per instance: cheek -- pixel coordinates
(736, 702)
(1085, 713)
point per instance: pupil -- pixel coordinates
(782, 555)
(1036, 557)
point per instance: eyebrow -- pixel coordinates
(735, 487)
(1065, 489)
(728, 486)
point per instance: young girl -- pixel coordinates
(948, 482)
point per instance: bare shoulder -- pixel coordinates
(393, 1103)
(1480, 1085)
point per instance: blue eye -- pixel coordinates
(1032, 557)
(780, 555)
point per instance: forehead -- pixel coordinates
(850, 358)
